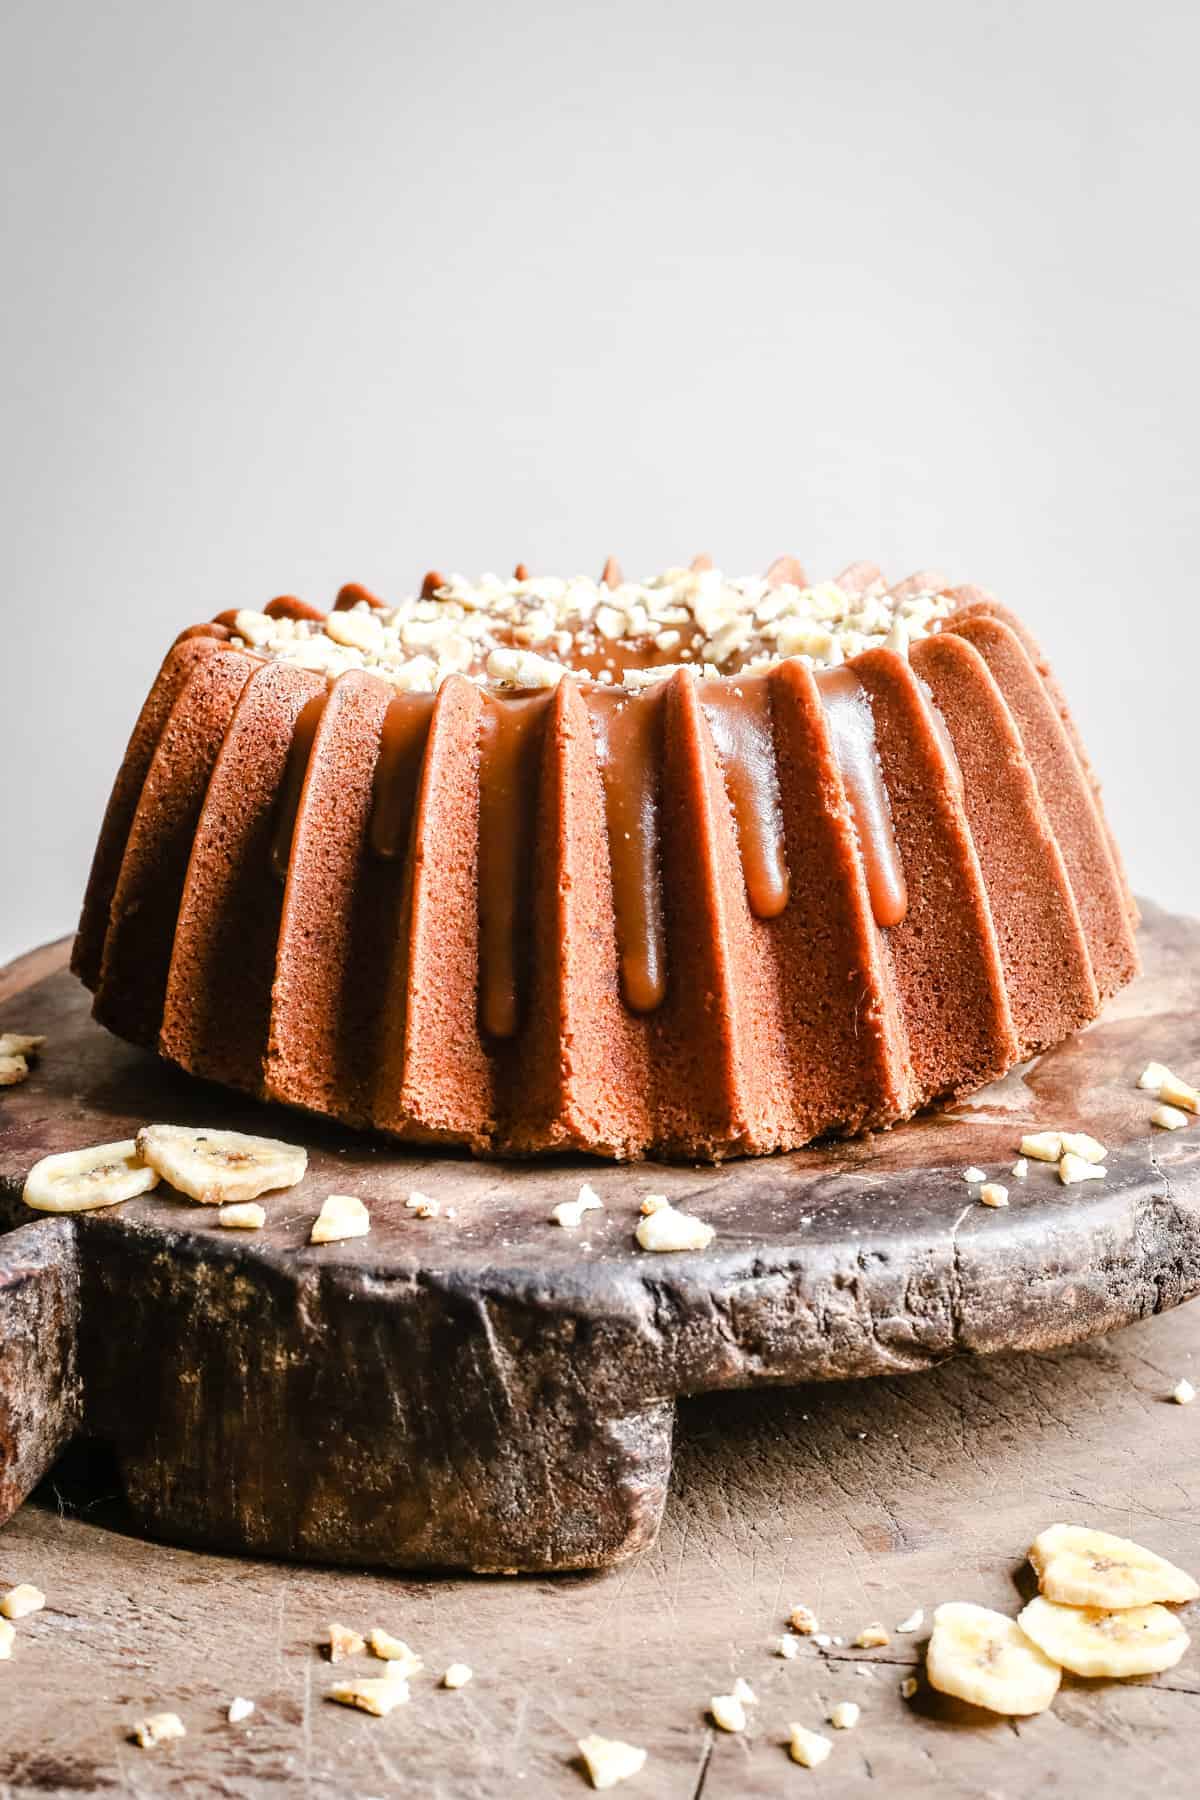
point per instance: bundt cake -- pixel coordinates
(692, 866)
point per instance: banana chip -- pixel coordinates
(1139, 1640)
(1078, 1567)
(981, 1656)
(82, 1180)
(216, 1167)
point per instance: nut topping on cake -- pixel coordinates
(527, 633)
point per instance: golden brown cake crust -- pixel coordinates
(704, 916)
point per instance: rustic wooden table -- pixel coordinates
(863, 1499)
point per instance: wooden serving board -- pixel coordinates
(489, 1391)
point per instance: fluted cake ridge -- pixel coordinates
(832, 854)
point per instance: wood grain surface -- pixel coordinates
(862, 1498)
(486, 1390)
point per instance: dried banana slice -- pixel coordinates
(981, 1656)
(82, 1180)
(1078, 1567)
(216, 1167)
(1139, 1640)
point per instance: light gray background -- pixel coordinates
(301, 294)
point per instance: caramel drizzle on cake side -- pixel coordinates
(627, 724)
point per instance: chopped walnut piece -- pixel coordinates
(342, 1216)
(22, 1600)
(1170, 1118)
(257, 629)
(652, 1203)
(1169, 1088)
(343, 1642)
(666, 1229)
(569, 1213)
(808, 1748)
(378, 1695)
(1078, 1143)
(423, 1205)
(727, 1712)
(13, 1070)
(1177, 1093)
(1183, 1393)
(19, 1043)
(1043, 1146)
(872, 1637)
(523, 669)
(457, 1675)
(845, 1715)
(355, 631)
(803, 1619)
(609, 1760)
(1073, 1168)
(246, 1215)
(493, 629)
(159, 1728)
(992, 1194)
(394, 1650)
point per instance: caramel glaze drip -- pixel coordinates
(786, 568)
(398, 773)
(628, 733)
(510, 753)
(852, 728)
(293, 782)
(287, 606)
(739, 716)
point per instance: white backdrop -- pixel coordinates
(301, 294)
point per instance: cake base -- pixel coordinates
(489, 1391)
